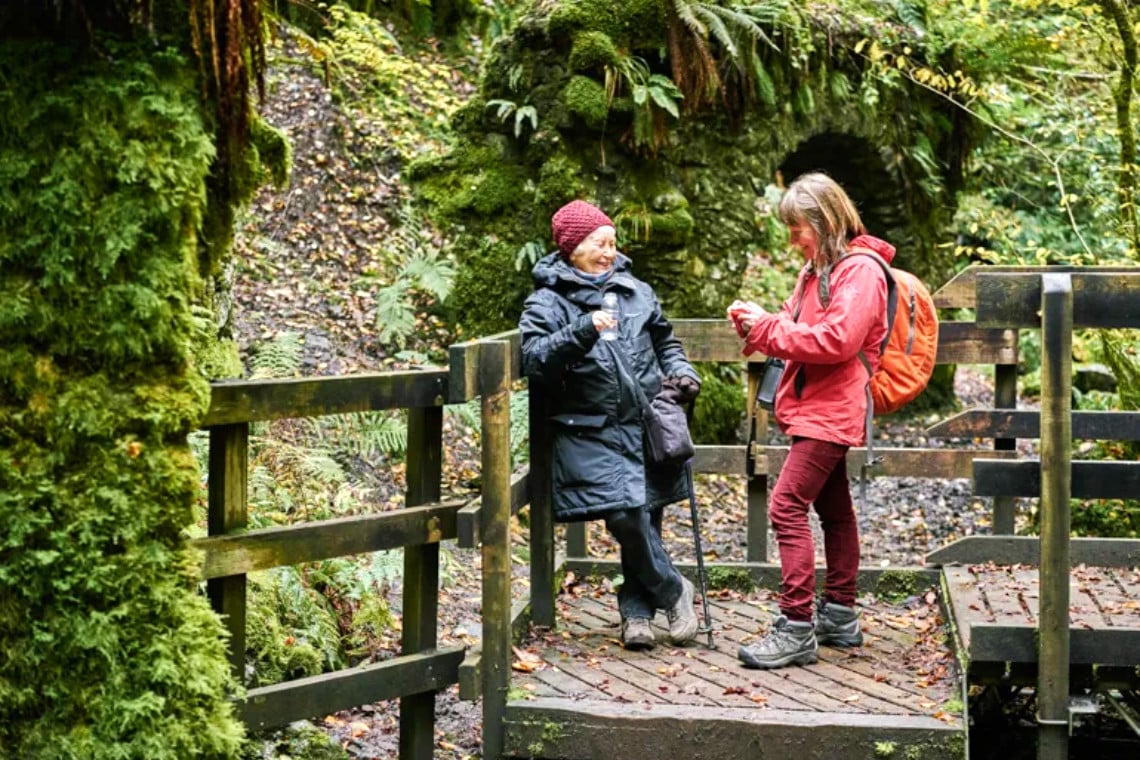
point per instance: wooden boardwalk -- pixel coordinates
(995, 610)
(576, 693)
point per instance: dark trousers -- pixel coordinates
(815, 472)
(650, 581)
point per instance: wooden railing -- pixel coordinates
(486, 368)
(480, 369)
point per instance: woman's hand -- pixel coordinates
(744, 315)
(602, 320)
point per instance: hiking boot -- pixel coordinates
(787, 643)
(836, 625)
(636, 633)
(683, 622)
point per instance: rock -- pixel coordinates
(1093, 377)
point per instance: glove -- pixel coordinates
(680, 389)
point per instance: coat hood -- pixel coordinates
(879, 246)
(554, 272)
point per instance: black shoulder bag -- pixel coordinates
(667, 439)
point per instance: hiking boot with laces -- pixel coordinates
(836, 625)
(787, 643)
(636, 633)
(683, 622)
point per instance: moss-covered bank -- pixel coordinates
(685, 190)
(108, 650)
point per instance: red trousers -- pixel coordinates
(814, 472)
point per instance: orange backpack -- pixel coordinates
(910, 346)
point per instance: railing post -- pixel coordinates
(227, 496)
(494, 390)
(541, 513)
(1056, 489)
(1005, 397)
(756, 546)
(421, 578)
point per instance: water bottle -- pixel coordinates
(610, 306)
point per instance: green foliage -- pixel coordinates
(720, 407)
(427, 276)
(586, 98)
(653, 95)
(523, 114)
(592, 51)
(410, 93)
(731, 578)
(109, 652)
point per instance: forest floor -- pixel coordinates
(309, 260)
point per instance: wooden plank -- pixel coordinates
(1002, 596)
(1090, 480)
(965, 602)
(1099, 299)
(589, 730)
(1026, 550)
(714, 340)
(421, 578)
(1026, 423)
(904, 462)
(471, 515)
(494, 529)
(711, 340)
(544, 562)
(959, 292)
(227, 496)
(307, 542)
(725, 460)
(233, 401)
(316, 696)
(273, 547)
(993, 642)
(967, 343)
(466, 361)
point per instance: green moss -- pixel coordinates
(592, 51)
(885, 749)
(274, 153)
(110, 652)
(720, 407)
(586, 98)
(730, 578)
(896, 585)
(571, 16)
(559, 182)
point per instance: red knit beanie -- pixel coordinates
(574, 222)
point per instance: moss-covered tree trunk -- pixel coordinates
(108, 651)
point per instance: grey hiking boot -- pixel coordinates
(636, 633)
(683, 623)
(836, 625)
(787, 643)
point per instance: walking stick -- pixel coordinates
(707, 628)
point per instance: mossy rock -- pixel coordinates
(586, 98)
(592, 51)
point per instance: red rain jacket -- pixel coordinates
(825, 343)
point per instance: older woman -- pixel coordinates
(821, 404)
(599, 463)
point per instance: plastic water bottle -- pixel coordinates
(610, 306)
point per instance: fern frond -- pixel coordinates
(278, 357)
(395, 318)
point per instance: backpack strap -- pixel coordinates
(892, 308)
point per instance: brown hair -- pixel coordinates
(818, 201)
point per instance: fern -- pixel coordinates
(395, 317)
(431, 272)
(278, 357)
(1119, 350)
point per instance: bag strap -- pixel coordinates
(627, 377)
(892, 308)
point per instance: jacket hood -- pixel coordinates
(881, 247)
(553, 271)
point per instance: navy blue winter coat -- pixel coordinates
(599, 459)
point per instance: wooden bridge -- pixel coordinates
(999, 609)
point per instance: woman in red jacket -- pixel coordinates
(821, 405)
